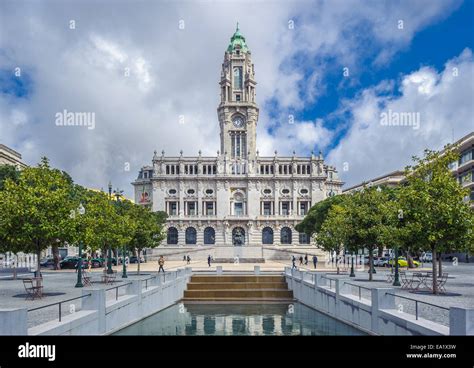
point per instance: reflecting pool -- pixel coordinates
(239, 319)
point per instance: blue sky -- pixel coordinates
(432, 46)
(175, 72)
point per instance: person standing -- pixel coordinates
(315, 261)
(188, 259)
(209, 260)
(184, 258)
(301, 260)
(306, 259)
(161, 263)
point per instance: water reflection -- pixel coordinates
(239, 319)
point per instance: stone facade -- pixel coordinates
(237, 198)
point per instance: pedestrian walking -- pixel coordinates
(293, 260)
(188, 259)
(306, 259)
(301, 260)
(184, 258)
(315, 261)
(161, 263)
(209, 260)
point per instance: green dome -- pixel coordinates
(237, 40)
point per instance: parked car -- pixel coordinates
(381, 262)
(103, 261)
(402, 262)
(426, 257)
(47, 262)
(134, 259)
(70, 262)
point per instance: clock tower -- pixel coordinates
(238, 111)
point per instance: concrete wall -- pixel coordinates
(99, 316)
(377, 315)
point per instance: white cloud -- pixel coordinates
(175, 72)
(444, 102)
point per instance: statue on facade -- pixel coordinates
(238, 237)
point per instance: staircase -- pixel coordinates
(232, 288)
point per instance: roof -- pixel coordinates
(237, 41)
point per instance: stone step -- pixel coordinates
(220, 300)
(236, 285)
(236, 278)
(239, 294)
(240, 260)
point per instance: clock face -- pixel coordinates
(238, 122)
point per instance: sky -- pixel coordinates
(343, 70)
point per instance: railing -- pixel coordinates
(359, 288)
(116, 289)
(416, 305)
(146, 281)
(330, 281)
(59, 304)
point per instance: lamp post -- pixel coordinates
(396, 279)
(352, 265)
(109, 252)
(81, 210)
(118, 194)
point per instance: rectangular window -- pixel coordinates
(303, 208)
(285, 208)
(238, 209)
(267, 208)
(191, 208)
(237, 98)
(173, 208)
(209, 208)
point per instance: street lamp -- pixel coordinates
(118, 194)
(352, 265)
(81, 211)
(109, 252)
(396, 279)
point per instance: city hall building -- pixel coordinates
(237, 203)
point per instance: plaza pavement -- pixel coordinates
(59, 286)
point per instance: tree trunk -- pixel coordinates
(337, 262)
(38, 254)
(15, 265)
(440, 264)
(435, 287)
(371, 257)
(138, 267)
(410, 260)
(55, 250)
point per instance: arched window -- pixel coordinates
(285, 235)
(172, 237)
(267, 235)
(190, 235)
(209, 235)
(304, 238)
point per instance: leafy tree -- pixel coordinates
(335, 231)
(433, 199)
(8, 172)
(367, 220)
(35, 209)
(148, 231)
(315, 217)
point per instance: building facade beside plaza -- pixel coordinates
(237, 202)
(463, 170)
